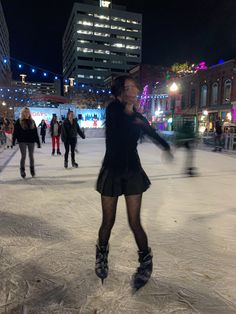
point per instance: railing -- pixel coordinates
(228, 140)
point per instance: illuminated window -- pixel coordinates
(118, 45)
(130, 38)
(101, 34)
(102, 25)
(227, 90)
(102, 17)
(85, 50)
(132, 47)
(84, 32)
(203, 96)
(84, 41)
(132, 30)
(118, 19)
(133, 22)
(80, 76)
(86, 23)
(120, 28)
(214, 94)
(102, 51)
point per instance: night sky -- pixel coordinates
(173, 31)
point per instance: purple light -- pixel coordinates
(144, 96)
(234, 114)
(201, 66)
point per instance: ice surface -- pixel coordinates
(49, 225)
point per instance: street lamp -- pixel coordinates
(173, 90)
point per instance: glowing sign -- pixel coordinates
(105, 4)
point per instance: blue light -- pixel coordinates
(20, 66)
(44, 74)
(33, 70)
(56, 77)
(66, 81)
(82, 85)
(109, 92)
(5, 61)
(221, 61)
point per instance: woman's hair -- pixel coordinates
(118, 85)
(26, 123)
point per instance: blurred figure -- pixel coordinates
(43, 127)
(55, 129)
(185, 137)
(70, 129)
(26, 133)
(218, 135)
(8, 128)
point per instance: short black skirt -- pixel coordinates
(127, 183)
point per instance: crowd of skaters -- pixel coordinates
(24, 132)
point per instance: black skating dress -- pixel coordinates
(121, 171)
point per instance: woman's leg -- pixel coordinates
(72, 147)
(144, 271)
(53, 144)
(67, 147)
(23, 154)
(109, 205)
(31, 154)
(58, 143)
(102, 248)
(133, 204)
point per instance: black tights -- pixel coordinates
(133, 205)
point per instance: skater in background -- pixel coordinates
(26, 133)
(8, 127)
(55, 130)
(43, 127)
(122, 173)
(186, 138)
(70, 129)
(218, 136)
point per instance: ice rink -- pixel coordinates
(49, 225)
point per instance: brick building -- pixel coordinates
(204, 95)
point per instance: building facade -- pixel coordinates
(202, 97)
(100, 41)
(5, 72)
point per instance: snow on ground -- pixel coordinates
(49, 225)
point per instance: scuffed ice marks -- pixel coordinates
(17, 225)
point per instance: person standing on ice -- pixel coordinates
(26, 134)
(43, 127)
(70, 129)
(122, 173)
(55, 129)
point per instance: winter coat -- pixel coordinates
(28, 135)
(70, 130)
(43, 129)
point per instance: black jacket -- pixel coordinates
(122, 134)
(43, 128)
(27, 135)
(70, 130)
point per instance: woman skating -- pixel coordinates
(26, 134)
(122, 173)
